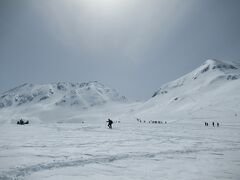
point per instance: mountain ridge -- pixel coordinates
(208, 92)
(229, 71)
(60, 93)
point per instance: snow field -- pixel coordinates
(128, 151)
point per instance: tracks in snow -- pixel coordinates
(21, 172)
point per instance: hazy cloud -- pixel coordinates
(132, 45)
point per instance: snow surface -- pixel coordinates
(67, 137)
(128, 151)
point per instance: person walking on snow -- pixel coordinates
(110, 122)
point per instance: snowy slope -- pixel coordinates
(210, 92)
(61, 93)
(58, 102)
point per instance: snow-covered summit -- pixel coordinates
(209, 72)
(211, 91)
(60, 94)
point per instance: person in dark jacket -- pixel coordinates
(110, 122)
(21, 121)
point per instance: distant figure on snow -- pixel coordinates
(217, 124)
(110, 122)
(213, 124)
(21, 122)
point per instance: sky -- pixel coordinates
(134, 46)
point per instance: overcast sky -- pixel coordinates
(134, 46)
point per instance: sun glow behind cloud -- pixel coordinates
(106, 29)
(104, 7)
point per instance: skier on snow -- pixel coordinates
(110, 122)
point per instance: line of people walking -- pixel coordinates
(151, 122)
(213, 124)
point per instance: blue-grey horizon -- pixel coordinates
(133, 46)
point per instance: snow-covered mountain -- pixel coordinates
(209, 92)
(60, 94)
(60, 102)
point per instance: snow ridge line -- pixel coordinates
(21, 172)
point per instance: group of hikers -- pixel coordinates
(213, 124)
(21, 122)
(110, 122)
(151, 122)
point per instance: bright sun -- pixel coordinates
(106, 3)
(104, 7)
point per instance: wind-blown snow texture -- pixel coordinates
(67, 137)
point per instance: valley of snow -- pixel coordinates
(67, 137)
